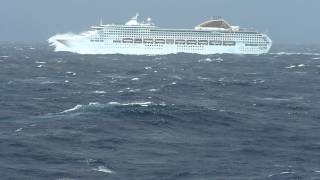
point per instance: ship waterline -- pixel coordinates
(215, 36)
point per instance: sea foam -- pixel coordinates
(96, 105)
(103, 169)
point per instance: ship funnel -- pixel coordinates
(136, 17)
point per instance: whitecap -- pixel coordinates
(40, 66)
(54, 41)
(301, 65)
(114, 103)
(66, 81)
(282, 99)
(78, 106)
(135, 79)
(153, 90)
(219, 59)
(205, 60)
(134, 90)
(40, 62)
(48, 82)
(144, 104)
(173, 83)
(147, 67)
(316, 58)
(71, 73)
(99, 92)
(287, 172)
(256, 81)
(103, 169)
(221, 79)
(19, 129)
(4, 56)
(316, 171)
(94, 104)
(296, 53)
(202, 78)
(291, 66)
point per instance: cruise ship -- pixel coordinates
(214, 36)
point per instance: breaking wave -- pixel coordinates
(103, 169)
(97, 106)
(60, 42)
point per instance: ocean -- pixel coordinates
(66, 116)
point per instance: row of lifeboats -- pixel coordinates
(177, 41)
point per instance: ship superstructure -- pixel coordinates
(144, 38)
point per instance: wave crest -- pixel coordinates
(96, 105)
(295, 53)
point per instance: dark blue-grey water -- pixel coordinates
(65, 116)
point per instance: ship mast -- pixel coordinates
(101, 23)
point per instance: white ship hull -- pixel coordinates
(146, 39)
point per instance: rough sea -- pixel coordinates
(66, 116)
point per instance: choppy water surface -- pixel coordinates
(68, 116)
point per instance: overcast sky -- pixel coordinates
(286, 21)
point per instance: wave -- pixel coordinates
(60, 42)
(40, 62)
(80, 106)
(281, 99)
(296, 53)
(40, 66)
(99, 92)
(293, 66)
(103, 169)
(219, 59)
(144, 104)
(19, 129)
(71, 73)
(96, 105)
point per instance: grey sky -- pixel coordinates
(286, 21)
